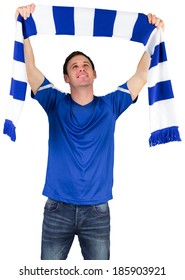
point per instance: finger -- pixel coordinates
(153, 20)
(159, 23)
(20, 11)
(150, 18)
(26, 11)
(32, 8)
(17, 13)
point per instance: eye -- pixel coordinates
(86, 65)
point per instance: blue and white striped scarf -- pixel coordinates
(56, 20)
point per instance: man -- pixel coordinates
(79, 175)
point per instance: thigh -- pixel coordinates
(94, 233)
(57, 231)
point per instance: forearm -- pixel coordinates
(143, 66)
(34, 76)
(29, 56)
(139, 79)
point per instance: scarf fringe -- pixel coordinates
(165, 135)
(9, 129)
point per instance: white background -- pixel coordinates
(147, 222)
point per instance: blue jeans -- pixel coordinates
(63, 221)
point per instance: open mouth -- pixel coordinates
(82, 75)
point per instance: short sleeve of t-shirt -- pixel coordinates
(48, 96)
(119, 100)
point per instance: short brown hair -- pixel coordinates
(75, 53)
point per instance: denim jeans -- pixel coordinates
(63, 221)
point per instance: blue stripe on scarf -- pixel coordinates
(159, 55)
(64, 20)
(18, 52)
(142, 29)
(161, 91)
(29, 27)
(104, 22)
(18, 89)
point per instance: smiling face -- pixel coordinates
(79, 72)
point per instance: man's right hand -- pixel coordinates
(25, 11)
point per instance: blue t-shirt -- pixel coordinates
(81, 144)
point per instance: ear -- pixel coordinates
(66, 78)
(95, 75)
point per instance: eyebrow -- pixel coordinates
(85, 61)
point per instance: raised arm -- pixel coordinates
(139, 79)
(34, 75)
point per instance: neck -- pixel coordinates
(83, 95)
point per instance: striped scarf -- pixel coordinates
(56, 20)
